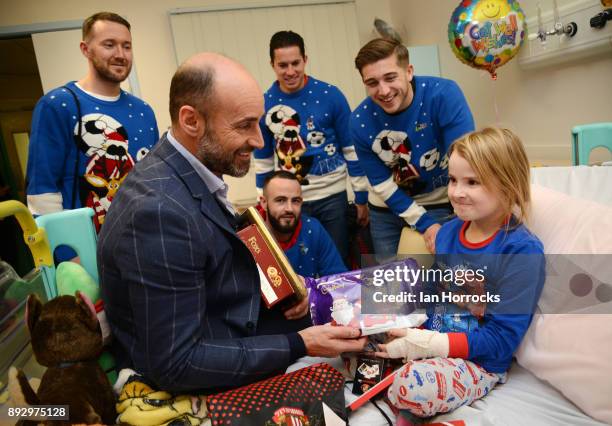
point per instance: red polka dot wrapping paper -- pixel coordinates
(293, 399)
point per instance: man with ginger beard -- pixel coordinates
(181, 291)
(306, 243)
(88, 134)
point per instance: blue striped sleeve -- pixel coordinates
(384, 186)
(357, 176)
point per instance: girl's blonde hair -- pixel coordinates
(499, 160)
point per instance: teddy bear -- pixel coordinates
(66, 338)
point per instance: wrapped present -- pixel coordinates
(374, 299)
(279, 282)
(295, 398)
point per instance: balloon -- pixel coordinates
(485, 34)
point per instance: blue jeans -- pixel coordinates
(386, 229)
(332, 212)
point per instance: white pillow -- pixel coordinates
(570, 225)
(570, 345)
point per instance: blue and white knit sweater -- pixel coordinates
(307, 132)
(404, 155)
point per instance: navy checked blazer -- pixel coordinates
(181, 291)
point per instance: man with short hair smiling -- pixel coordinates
(181, 290)
(87, 135)
(306, 129)
(306, 243)
(402, 132)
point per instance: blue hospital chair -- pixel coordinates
(586, 138)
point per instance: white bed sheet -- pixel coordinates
(587, 182)
(522, 400)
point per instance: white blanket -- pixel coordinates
(522, 400)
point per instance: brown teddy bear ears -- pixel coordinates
(33, 309)
(85, 304)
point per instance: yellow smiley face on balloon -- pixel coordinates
(486, 34)
(488, 10)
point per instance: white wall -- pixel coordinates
(329, 31)
(153, 49)
(541, 105)
(52, 61)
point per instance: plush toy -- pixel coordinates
(71, 277)
(66, 338)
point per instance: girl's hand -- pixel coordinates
(415, 344)
(392, 334)
(430, 237)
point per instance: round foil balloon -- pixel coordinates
(485, 34)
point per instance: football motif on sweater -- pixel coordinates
(429, 160)
(315, 138)
(394, 149)
(105, 141)
(284, 123)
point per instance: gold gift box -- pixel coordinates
(279, 282)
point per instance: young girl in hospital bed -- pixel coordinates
(477, 322)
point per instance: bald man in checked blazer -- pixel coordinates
(181, 291)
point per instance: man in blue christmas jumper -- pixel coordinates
(306, 243)
(305, 128)
(87, 135)
(402, 132)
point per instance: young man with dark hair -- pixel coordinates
(402, 132)
(305, 128)
(87, 135)
(284, 39)
(306, 243)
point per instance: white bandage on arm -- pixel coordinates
(419, 344)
